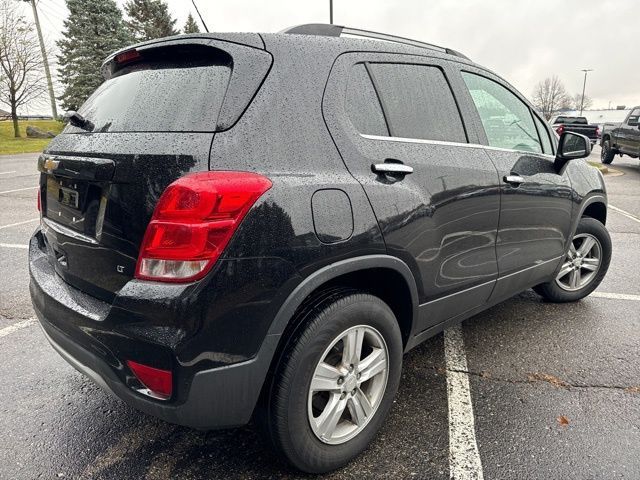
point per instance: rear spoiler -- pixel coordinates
(249, 63)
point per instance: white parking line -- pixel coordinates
(14, 245)
(625, 213)
(6, 173)
(18, 190)
(464, 457)
(19, 223)
(16, 326)
(616, 296)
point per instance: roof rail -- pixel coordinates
(330, 30)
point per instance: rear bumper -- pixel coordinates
(76, 325)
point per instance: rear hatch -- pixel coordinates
(152, 121)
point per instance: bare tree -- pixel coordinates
(549, 96)
(22, 79)
(576, 102)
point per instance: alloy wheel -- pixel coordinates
(348, 384)
(581, 263)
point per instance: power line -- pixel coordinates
(51, 10)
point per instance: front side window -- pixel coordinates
(544, 136)
(418, 102)
(506, 119)
(634, 117)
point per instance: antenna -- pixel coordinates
(198, 12)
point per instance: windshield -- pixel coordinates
(159, 96)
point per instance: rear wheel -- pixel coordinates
(607, 153)
(584, 266)
(335, 383)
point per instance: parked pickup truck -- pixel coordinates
(622, 138)
(563, 123)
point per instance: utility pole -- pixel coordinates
(45, 59)
(584, 85)
(331, 12)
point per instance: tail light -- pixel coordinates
(597, 132)
(560, 129)
(39, 201)
(193, 222)
(158, 382)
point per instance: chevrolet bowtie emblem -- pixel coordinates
(50, 164)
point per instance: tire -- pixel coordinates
(289, 408)
(581, 271)
(607, 153)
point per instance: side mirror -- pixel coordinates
(573, 145)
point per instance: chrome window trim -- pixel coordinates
(454, 144)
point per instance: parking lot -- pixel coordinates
(554, 389)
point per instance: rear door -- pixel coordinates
(389, 112)
(152, 121)
(535, 213)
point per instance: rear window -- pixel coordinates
(161, 94)
(571, 120)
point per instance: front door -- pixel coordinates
(535, 213)
(436, 197)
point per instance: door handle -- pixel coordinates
(514, 180)
(391, 168)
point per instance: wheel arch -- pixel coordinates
(585, 208)
(596, 209)
(387, 277)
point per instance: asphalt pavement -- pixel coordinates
(553, 390)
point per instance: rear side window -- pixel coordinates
(418, 102)
(507, 120)
(362, 104)
(162, 94)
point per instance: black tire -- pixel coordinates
(284, 415)
(607, 153)
(553, 292)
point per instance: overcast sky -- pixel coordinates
(521, 40)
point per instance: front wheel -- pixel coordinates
(335, 382)
(607, 153)
(584, 266)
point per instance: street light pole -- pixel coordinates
(43, 50)
(331, 12)
(584, 85)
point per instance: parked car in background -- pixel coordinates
(621, 138)
(563, 123)
(239, 226)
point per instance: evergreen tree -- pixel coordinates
(93, 30)
(191, 26)
(149, 19)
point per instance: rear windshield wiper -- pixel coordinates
(77, 120)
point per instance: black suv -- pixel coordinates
(260, 225)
